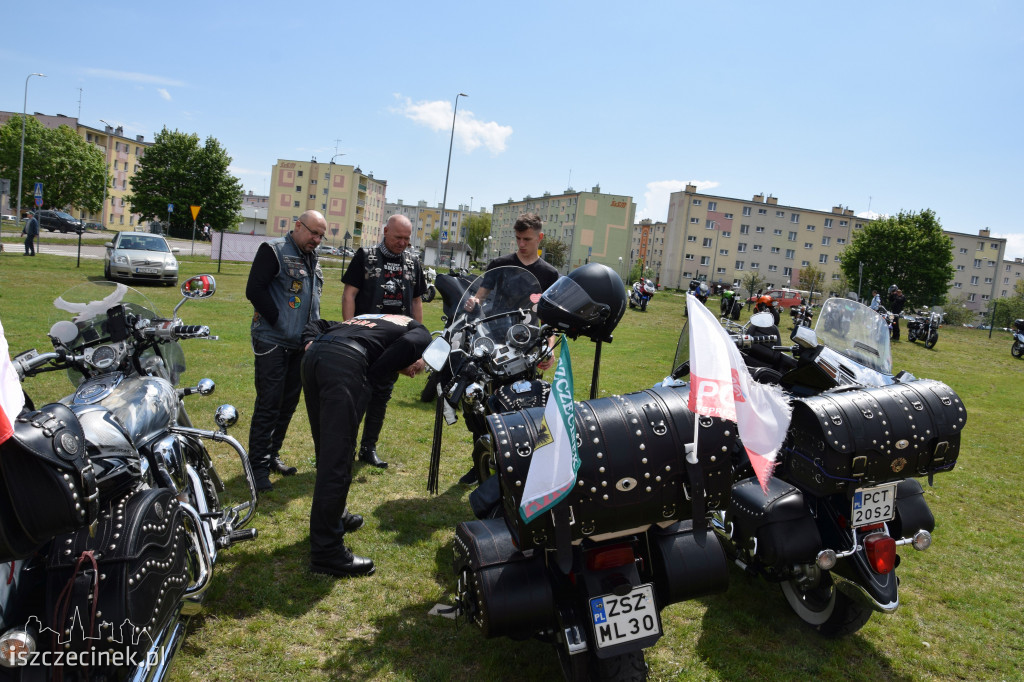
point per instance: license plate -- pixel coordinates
(147, 271)
(624, 619)
(874, 505)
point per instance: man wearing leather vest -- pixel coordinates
(284, 286)
(383, 279)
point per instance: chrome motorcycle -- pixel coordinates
(107, 593)
(1017, 349)
(924, 326)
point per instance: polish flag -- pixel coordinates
(11, 397)
(720, 386)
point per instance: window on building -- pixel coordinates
(972, 297)
(705, 260)
(746, 210)
(792, 236)
(963, 251)
(728, 216)
(696, 202)
(828, 223)
(777, 232)
(725, 234)
(775, 249)
(843, 223)
(689, 256)
(794, 217)
(825, 241)
(741, 247)
(790, 254)
(744, 229)
(773, 268)
(780, 214)
(958, 285)
(974, 280)
(296, 204)
(694, 221)
(804, 263)
(755, 266)
(823, 258)
(723, 252)
(712, 205)
(739, 265)
(988, 280)
(707, 242)
(808, 245)
(762, 211)
(758, 247)
(691, 237)
(981, 246)
(787, 272)
(840, 240)
(993, 245)
(810, 228)
(858, 226)
(977, 262)
(759, 229)
(300, 174)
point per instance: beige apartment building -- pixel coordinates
(351, 201)
(425, 219)
(977, 261)
(648, 246)
(597, 227)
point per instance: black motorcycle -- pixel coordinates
(924, 326)
(802, 315)
(111, 518)
(1017, 349)
(730, 305)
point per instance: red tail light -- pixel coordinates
(881, 551)
(612, 556)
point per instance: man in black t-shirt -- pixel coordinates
(383, 279)
(342, 365)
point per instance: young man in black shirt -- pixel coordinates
(344, 362)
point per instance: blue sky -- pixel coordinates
(878, 106)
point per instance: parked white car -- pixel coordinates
(141, 257)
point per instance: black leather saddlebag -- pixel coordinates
(520, 395)
(912, 512)
(687, 562)
(632, 472)
(125, 581)
(47, 484)
(505, 592)
(773, 528)
(839, 442)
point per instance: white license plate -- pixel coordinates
(147, 271)
(623, 619)
(874, 505)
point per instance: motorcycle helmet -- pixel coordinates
(589, 301)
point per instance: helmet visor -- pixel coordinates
(568, 296)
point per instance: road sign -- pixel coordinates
(170, 208)
(39, 190)
(444, 236)
(195, 211)
(39, 202)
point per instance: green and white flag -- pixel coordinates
(555, 459)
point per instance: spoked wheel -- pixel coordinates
(825, 608)
(1017, 349)
(933, 338)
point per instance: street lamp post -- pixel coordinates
(21, 161)
(714, 254)
(620, 268)
(444, 197)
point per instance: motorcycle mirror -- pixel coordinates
(437, 354)
(763, 319)
(805, 337)
(64, 331)
(200, 286)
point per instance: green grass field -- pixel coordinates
(268, 618)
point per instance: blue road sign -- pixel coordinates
(39, 201)
(170, 208)
(39, 191)
(444, 236)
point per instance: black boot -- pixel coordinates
(280, 467)
(352, 522)
(369, 456)
(345, 565)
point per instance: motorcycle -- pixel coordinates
(452, 287)
(495, 345)
(730, 305)
(803, 315)
(641, 293)
(592, 575)
(102, 584)
(429, 275)
(888, 318)
(844, 495)
(765, 303)
(1017, 349)
(924, 327)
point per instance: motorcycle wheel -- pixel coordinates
(643, 306)
(628, 667)
(429, 392)
(736, 308)
(933, 338)
(826, 609)
(776, 316)
(631, 306)
(428, 295)
(1017, 349)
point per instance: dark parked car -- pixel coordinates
(58, 221)
(95, 226)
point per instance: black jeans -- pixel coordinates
(278, 386)
(30, 247)
(376, 410)
(334, 380)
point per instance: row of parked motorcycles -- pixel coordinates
(652, 520)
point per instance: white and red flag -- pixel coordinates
(720, 386)
(11, 397)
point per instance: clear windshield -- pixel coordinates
(855, 331)
(86, 306)
(143, 243)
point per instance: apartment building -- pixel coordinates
(977, 260)
(597, 227)
(1011, 272)
(425, 219)
(352, 202)
(648, 245)
(121, 155)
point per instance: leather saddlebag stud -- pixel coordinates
(507, 591)
(47, 484)
(847, 440)
(632, 472)
(128, 577)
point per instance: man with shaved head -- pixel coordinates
(383, 279)
(284, 286)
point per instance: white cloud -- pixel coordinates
(872, 215)
(657, 195)
(469, 131)
(1014, 244)
(134, 77)
(164, 94)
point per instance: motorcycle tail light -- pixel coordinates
(612, 556)
(881, 550)
(15, 645)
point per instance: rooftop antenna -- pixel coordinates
(336, 143)
(79, 103)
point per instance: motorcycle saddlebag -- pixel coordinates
(912, 512)
(136, 564)
(773, 528)
(520, 395)
(47, 484)
(687, 562)
(632, 471)
(507, 592)
(843, 441)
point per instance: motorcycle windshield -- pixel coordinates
(494, 306)
(86, 306)
(855, 331)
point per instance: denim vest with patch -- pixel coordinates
(296, 293)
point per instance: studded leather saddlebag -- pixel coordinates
(47, 484)
(633, 472)
(849, 440)
(125, 582)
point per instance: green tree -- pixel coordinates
(813, 280)
(478, 227)
(752, 281)
(956, 311)
(435, 234)
(908, 250)
(556, 252)
(72, 171)
(178, 170)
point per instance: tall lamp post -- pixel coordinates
(444, 197)
(21, 161)
(714, 254)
